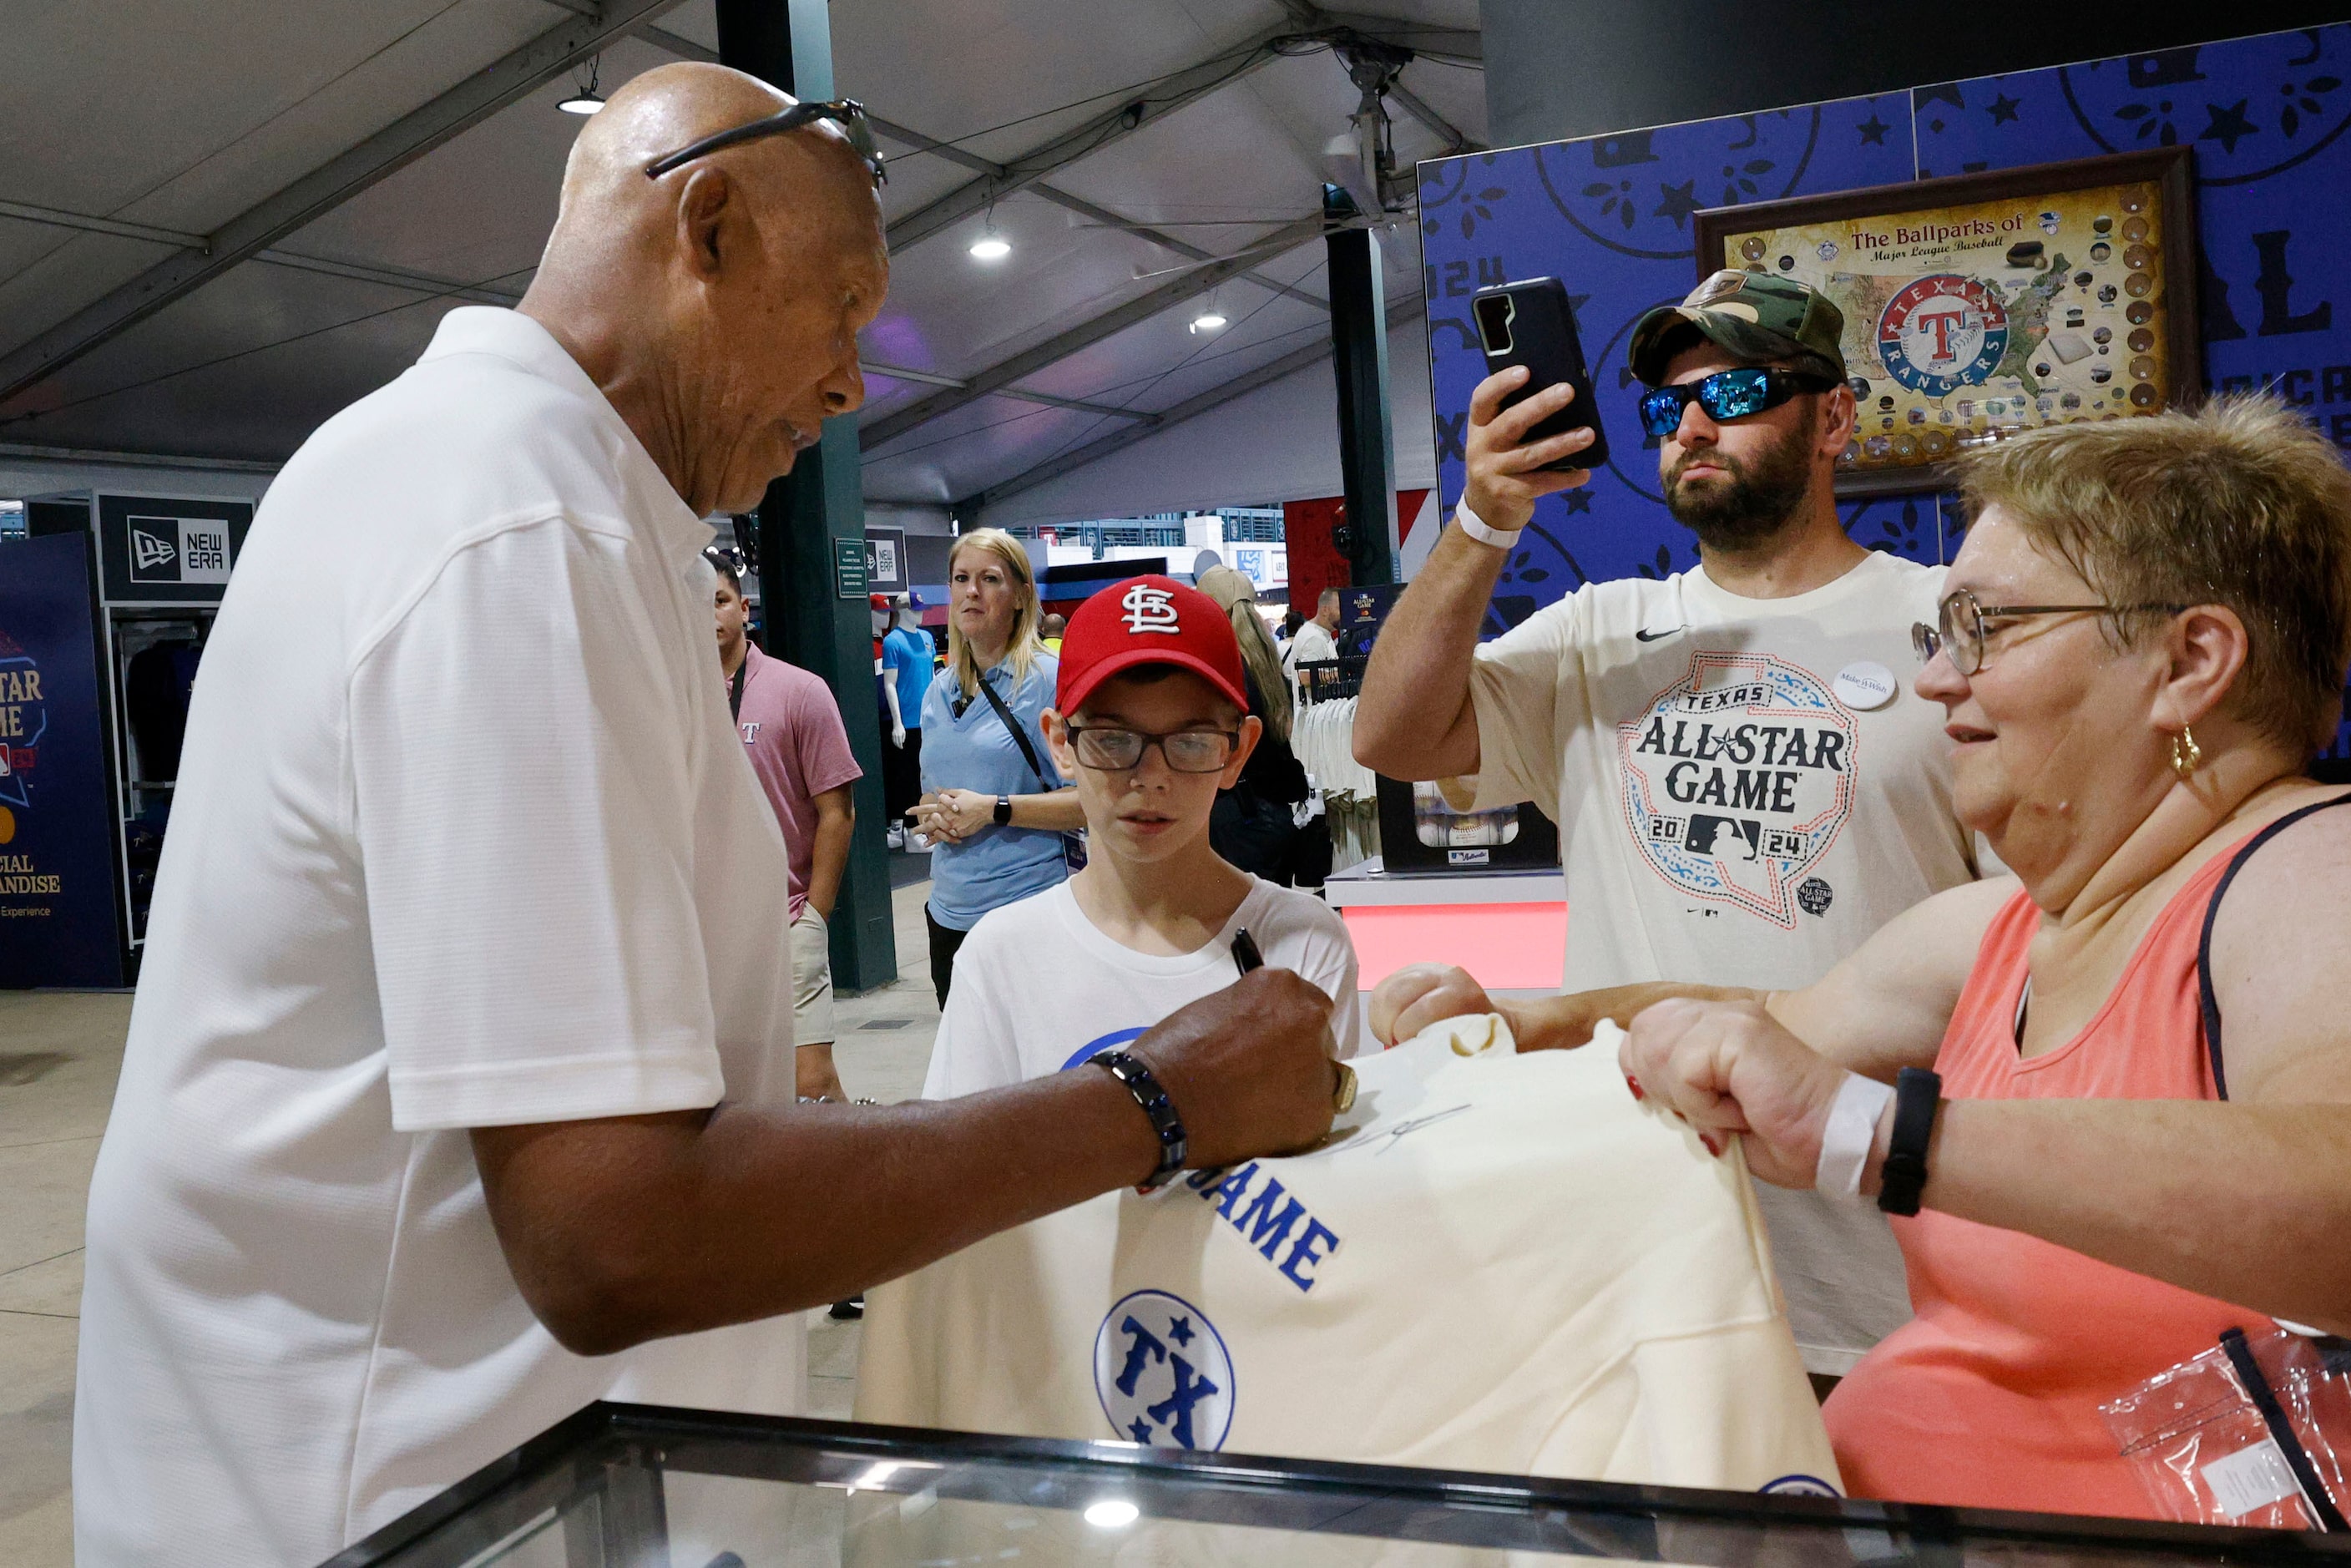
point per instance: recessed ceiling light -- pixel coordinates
(990, 247)
(1112, 1514)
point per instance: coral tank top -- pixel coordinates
(1989, 1396)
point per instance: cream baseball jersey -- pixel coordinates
(1746, 790)
(1496, 1262)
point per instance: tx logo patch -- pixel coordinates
(1737, 779)
(1162, 1373)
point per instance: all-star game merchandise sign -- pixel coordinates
(1987, 304)
(57, 906)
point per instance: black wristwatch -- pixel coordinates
(1918, 1096)
(1004, 811)
(1164, 1123)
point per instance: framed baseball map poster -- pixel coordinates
(1984, 305)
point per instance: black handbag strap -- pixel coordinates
(1020, 736)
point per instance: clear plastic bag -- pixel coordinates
(2256, 1432)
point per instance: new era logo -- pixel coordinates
(179, 549)
(1149, 610)
(153, 557)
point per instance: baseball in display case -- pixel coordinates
(1984, 305)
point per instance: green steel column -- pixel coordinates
(811, 519)
(1359, 343)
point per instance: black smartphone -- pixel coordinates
(1529, 324)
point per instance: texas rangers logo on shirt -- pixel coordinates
(1737, 779)
(1149, 609)
(1941, 333)
(1162, 1373)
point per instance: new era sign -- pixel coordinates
(178, 550)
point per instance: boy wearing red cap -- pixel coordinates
(1150, 717)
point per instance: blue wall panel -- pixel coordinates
(1609, 215)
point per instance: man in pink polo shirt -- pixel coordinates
(792, 732)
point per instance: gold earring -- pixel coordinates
(2186, 756)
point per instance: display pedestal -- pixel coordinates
(1508, 929)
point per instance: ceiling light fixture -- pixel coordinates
(1112, 1514)
(1209, 320)
(585, 100)
(991, 245)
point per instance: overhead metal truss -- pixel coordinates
(1000, 376)
(520, 73)
(1190, 408)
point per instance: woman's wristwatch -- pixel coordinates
(1004, 811)
(1918, 1096)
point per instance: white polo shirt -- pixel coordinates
(463, 837)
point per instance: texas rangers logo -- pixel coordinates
(1162, 1373)
(1149, 609)
(1941, 333)
(1737, 779)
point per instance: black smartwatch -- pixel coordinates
(1004, 811)
(1918, 1096)
(1164, 1123)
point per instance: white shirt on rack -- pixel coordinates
(464, 836)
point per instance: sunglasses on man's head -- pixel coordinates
(1727, 395)
(845, 112)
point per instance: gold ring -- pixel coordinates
(1342, 1099)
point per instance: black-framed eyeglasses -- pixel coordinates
(1964, 624)
(1727, 395)
(1119, 750)
(845, 112)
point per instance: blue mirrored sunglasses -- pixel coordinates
(1727, 395)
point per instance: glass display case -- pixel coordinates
(627, 1485)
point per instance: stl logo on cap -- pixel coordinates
(1148, 620)
(1150, 609)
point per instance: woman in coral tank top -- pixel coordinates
(2144, 1135)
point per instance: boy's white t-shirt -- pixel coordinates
(1039, 988)
(1746, 790)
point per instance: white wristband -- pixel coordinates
(1847, 1141)
(1469, 523)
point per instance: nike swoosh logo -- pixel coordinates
(1645, 635)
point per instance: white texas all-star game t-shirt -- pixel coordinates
(1495, 1262)
(1746, 790)
(1039, 988)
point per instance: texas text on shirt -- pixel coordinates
(497, 807)
(1746, 790)
(1039, 987)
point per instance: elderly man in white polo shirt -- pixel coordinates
(459, 1087)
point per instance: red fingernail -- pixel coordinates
(1711, 1146)
(1635, 1086)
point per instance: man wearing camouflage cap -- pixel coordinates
(1745, 785)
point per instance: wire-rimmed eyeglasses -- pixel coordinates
(1962, 624)
(845, 112)
(1108, 750)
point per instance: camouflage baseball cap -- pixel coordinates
(1752, 315)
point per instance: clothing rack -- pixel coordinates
(1340, 677)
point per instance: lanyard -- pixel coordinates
(734, 691)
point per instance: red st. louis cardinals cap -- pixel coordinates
(1148, 620)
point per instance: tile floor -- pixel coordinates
(60, 1053)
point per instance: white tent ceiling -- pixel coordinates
(217, 227)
